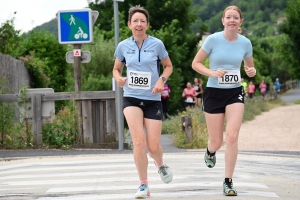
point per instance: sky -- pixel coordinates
(32, 13)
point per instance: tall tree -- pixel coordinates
(291, 27)
(46, 47)
(9, 38)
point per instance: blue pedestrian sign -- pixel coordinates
(75, 26)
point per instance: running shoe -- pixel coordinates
(210, 161)
(142, 192)
(165, 173)
(228, 189)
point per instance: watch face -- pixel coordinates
(164, 79)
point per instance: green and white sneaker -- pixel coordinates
(210, 161)
(165, 173)
(228, 189)
(142, 192)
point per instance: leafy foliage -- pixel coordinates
(259, 15)
(13, 133)
(36, 69)
(291, 27)
(47, 49)
(62, 131)
(9, 38)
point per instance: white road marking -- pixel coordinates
(157, 186)
(161, 195)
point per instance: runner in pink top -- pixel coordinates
(263, 89)
(189, 93)
(251, 89)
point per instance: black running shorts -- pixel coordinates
(215, 100)
(151, 109)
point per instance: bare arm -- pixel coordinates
(249, 66)
(117, 73)
(183, 93)
(201, 69)
(168, 69)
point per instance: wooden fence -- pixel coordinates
(98, 115)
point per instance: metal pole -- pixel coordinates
(119, 91)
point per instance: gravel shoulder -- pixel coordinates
(275, 130)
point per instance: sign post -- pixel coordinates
(76, 27)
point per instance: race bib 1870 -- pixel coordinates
(232, 77)
(139, 80)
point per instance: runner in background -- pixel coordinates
(199, 90)
(165, 96)
(245, 86)
(251, 89)
(189, 94)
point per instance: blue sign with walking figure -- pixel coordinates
(75, 26)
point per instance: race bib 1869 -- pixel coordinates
(139, 80)
(232, 77)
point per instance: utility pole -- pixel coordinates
(119, 91)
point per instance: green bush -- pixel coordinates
(13, 133)
(62, 131)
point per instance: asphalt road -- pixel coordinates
(113, 176)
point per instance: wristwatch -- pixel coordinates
(163, 79)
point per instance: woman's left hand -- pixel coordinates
(158, 87)
(250, 71)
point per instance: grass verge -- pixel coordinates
(200, 134)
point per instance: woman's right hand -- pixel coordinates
(219, 73)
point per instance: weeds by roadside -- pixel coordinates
(200, 134)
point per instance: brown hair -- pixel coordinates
(136, 9)
(199, 80)
(236, 9)
(233, 8)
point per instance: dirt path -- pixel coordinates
(275, 130)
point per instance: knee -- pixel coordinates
(231, 138)
(215, 145)
(139, 145)
(154, 149)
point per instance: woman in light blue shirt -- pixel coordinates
(142, 55)
(224, 95)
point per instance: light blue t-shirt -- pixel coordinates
(146, 59)
(225, 55)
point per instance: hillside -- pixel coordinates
(261, 16)
(50, 26)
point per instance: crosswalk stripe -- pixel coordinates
(94, 179)
(70, 162)
(119, 179)
(157, 186)
(160, 195)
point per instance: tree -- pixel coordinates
(48, 50)
(170, 22)
(291, 27)
(9, 38)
